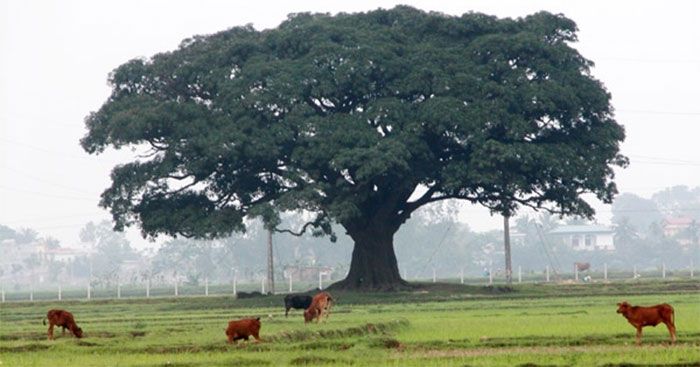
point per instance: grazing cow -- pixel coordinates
(63, 319)
(297, 301)
(640, 317)
(582, 266)
(320, 303)
(243, 329)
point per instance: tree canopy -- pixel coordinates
(360, 118)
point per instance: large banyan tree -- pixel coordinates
(360, 119)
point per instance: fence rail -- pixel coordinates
(147, 289)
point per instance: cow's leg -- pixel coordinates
(286, 311)
(63, 332)
(671, 330)
(256, 335)
(639, 335)
(320, 315)
(50, 332)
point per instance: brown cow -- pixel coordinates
(640, 317)
(320, 303)
(63, 319)
(243, 329)
(582, 266)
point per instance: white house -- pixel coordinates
(586, 237)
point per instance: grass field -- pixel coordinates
(437, 326)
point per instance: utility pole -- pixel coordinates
(506, 243)
(270, 265)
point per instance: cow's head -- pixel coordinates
(623, 307)
(309, 315)
(78, 332)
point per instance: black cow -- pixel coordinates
(298, 301)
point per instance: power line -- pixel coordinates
(46, 195)
(652, 112)
(53, 183)
(41, 149)
(437, 248)
(51, 219)
(630, 59)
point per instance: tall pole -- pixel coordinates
(506, 245)
(605, 271)
(234, 281)
(270, 264)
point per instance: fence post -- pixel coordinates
(691, 268)
(575, 272)
(234, 284)
(434, 276)
(634, 272)
(88, 290)
(148, 287)
(206, 286)
(461, 276)
(491, 275)
(663, 270)
(605, 271)
(520, 274)
(176, 288)
(59, 292)
(262, 285)
(320, 280)
(31, 293)
(547, 273)
(290, 282)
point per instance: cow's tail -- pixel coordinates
(672, 312)
(43, 321)
(673, 315)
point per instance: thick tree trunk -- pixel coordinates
(373, 266)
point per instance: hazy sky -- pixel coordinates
(55, 57)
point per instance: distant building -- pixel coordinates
(586, 237)
(676, 227)
(59, 254)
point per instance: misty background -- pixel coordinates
(647, 234)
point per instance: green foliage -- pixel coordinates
(6, 232)
(111, 250)
(638, 212)
(346, 116)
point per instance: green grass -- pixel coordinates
(440, 326)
